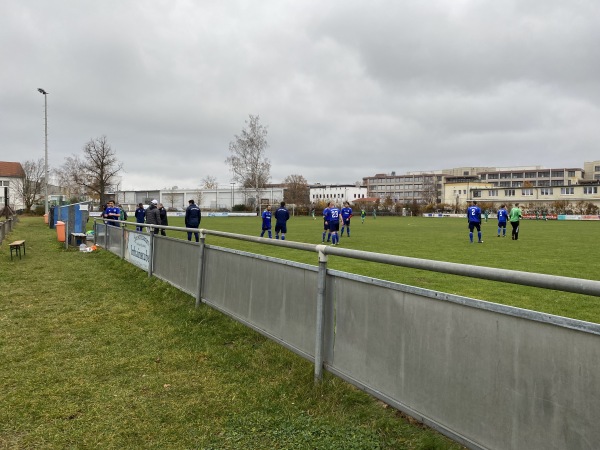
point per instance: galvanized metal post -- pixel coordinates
(122, 241)
(321, 292)
(151, 258)
(200, 268)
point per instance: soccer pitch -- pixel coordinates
(564, 248)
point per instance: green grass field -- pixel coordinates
(94, 354)
(97, 355)
(565, 248)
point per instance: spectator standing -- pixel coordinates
(153, 215)
(281, 217)
(123, 214)
(164, 220)
(140, 215)
(112, 212)
(515, 216)
(266, 222)
(363, 214)
(474, 218)
(193, 216)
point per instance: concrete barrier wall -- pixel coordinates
(487, 375)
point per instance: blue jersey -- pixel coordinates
(325, 212)
(282, 215)
(346, 213)
(113, 213)
(266, 220)
(333, 215)
(474, 214)
(502, 215)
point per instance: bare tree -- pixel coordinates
(170, 196)
(248, 164)
(209, 182)
(430, 190)
(296, 190)
(96, 171)
(29, 188)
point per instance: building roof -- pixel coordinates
(11, 169)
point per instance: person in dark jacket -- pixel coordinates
(153, 215)
(163, 218)
(193, 216)
(140, 215)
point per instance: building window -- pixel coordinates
(517, 183)
(556, 182)
(558, 173)
(504, 176)
(493, 193)
(509, 192)
(543, 174)
(596, 168)
(527, 192)
(5, 183)
(590, 190)
(477, 194)
(567, 191)
(571, 173)
(504, 184)
(492, 176)
(530, 175)
(546, 191)
(517, 175)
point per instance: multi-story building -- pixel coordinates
(420, 187)
(534, 186)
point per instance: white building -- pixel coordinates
(11, 179)
(337, 193)
(222, 198)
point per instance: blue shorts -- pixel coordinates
(281, 228)
(334, 226)
(474, 225)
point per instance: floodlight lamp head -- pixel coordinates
(41, 91)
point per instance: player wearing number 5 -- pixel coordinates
(474, 218)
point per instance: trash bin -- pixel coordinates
(46, 218)
(60, 231)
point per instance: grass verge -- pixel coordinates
(96, 354)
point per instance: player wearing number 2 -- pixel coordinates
(474, 218)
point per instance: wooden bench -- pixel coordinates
(16, 247)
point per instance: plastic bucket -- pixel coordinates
(60, 231)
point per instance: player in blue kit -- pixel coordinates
(474, 218)
(281, 217)
(326, 226)
(266, 222)
(333, 220)
(346, 216)
(502, 219)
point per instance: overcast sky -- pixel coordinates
(346, 88)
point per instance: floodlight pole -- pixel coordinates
(42, 91)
